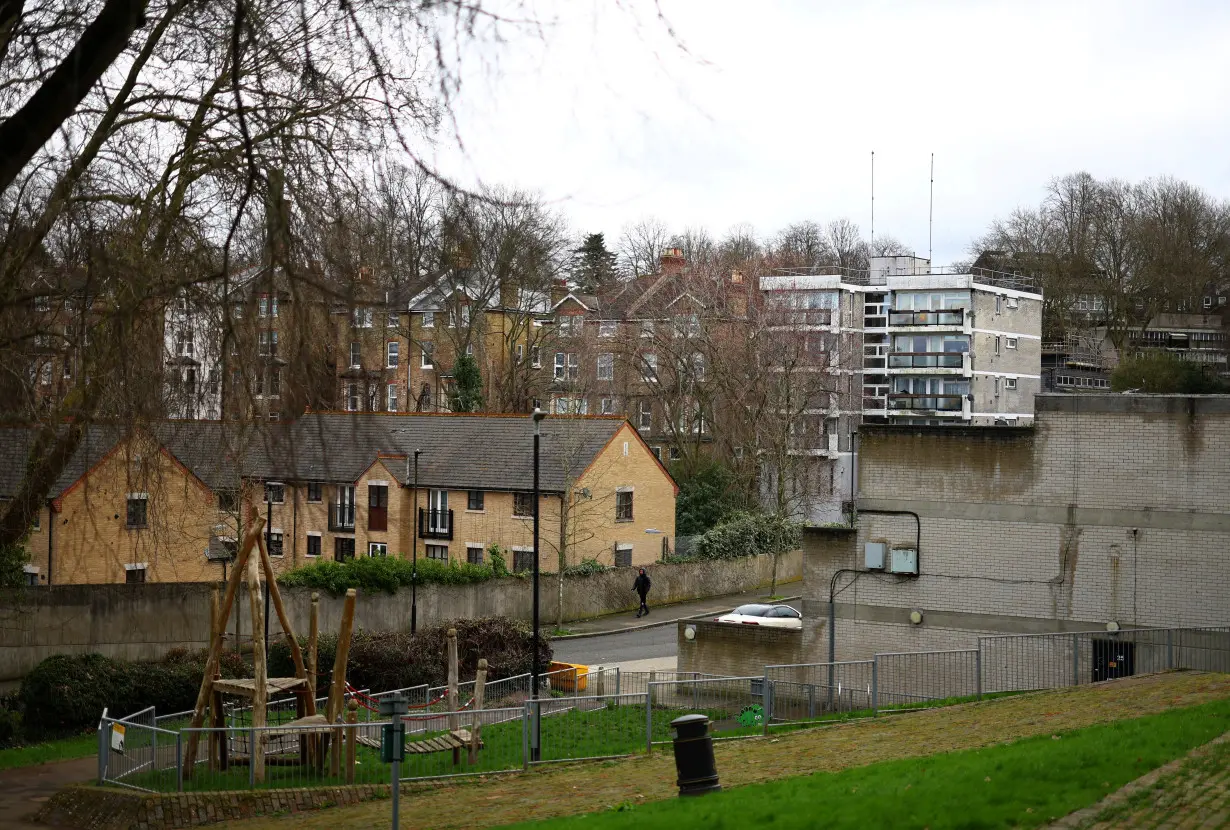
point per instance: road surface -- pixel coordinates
(623, 647)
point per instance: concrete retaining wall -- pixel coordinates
(144, 621)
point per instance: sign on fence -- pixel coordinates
(117, 738)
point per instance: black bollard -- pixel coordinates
(694, 756)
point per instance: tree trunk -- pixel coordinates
(564, 517)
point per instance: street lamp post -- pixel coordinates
(414, 557)
(535, 744)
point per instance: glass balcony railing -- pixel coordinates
(934, 403)
(950, 317)
(926, 360)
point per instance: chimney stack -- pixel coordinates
(672, 262)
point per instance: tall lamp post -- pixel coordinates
(536, 744)
(414, 557)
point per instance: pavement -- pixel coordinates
(671, 614)
(643, 644)
(24, 789)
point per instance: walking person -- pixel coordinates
(641, 586)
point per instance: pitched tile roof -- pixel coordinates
(463, 452)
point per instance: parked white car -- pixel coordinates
(774, 616)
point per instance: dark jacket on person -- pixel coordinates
(642, 583)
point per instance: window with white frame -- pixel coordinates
(274, 542)
(519, 352)
(623, 555)
(137, 514)
(523, 560)
(428, 349)
(429, 320)
(675, 454)
(698, 366)
(267, 343)
(353, 398)
(313, 544)
(1010, 342)
(438, 552)
(394, 320)
(645, 420)
(1010, 383)
(607, 328)
(535, 358)
(469, 350)
(392, 353)
(379, 549)
(135, 574)
(356, 354)
(267, 305)
(565, 405)
(649, 367)
(523, 504)
(997, 343)
(606, 366)
(623, 505)
(474, 554)
(361, 318)
(569, 325)
(392, 398)
(607, 406)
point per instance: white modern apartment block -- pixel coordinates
(917, 345)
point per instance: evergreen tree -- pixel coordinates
(593, 266)
(467, 394)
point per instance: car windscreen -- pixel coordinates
(752, 610)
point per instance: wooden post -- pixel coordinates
(275, 597)
(352, 718)
(453, 721)
(337, 688)
(480, 682)
(215, 600)
(260, 674)
(215, 644)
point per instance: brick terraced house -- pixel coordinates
(163, 504)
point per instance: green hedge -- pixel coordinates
(748, 534)
(383, 660)
(67, 692)
(376, 574)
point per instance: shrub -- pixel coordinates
(748, 534)
(586, 567)
(383, 660)
(68, 692)
(499, 563)
(706, 497)
(1164, 373)
(376, 574)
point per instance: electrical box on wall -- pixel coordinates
(904, 561)
(873, 556)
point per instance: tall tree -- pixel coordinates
(593, 266)
(467, 393)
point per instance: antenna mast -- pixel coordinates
(931, 211)
(873, 195)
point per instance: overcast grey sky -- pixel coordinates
(771, 114)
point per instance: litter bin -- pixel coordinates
(694, 756)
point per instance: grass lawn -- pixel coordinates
(1021, 784)
(64, 749)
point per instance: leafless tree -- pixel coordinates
(641, 244)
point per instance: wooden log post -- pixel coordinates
(260, 673)
(215, 644)
(352, 734)
(480, 683)
(337, 686)
(453, 720)
(288, 631)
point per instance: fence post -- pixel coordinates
(617, 681)
(525, 737)
(1170, 648)
(1076, 659)
(653, 676)
(811, 700)
(104, 743)
(153, 740)
(252, 756)
(978, 669)
(649, 719)
(768, 703)
(875, 684)
(179, 762)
